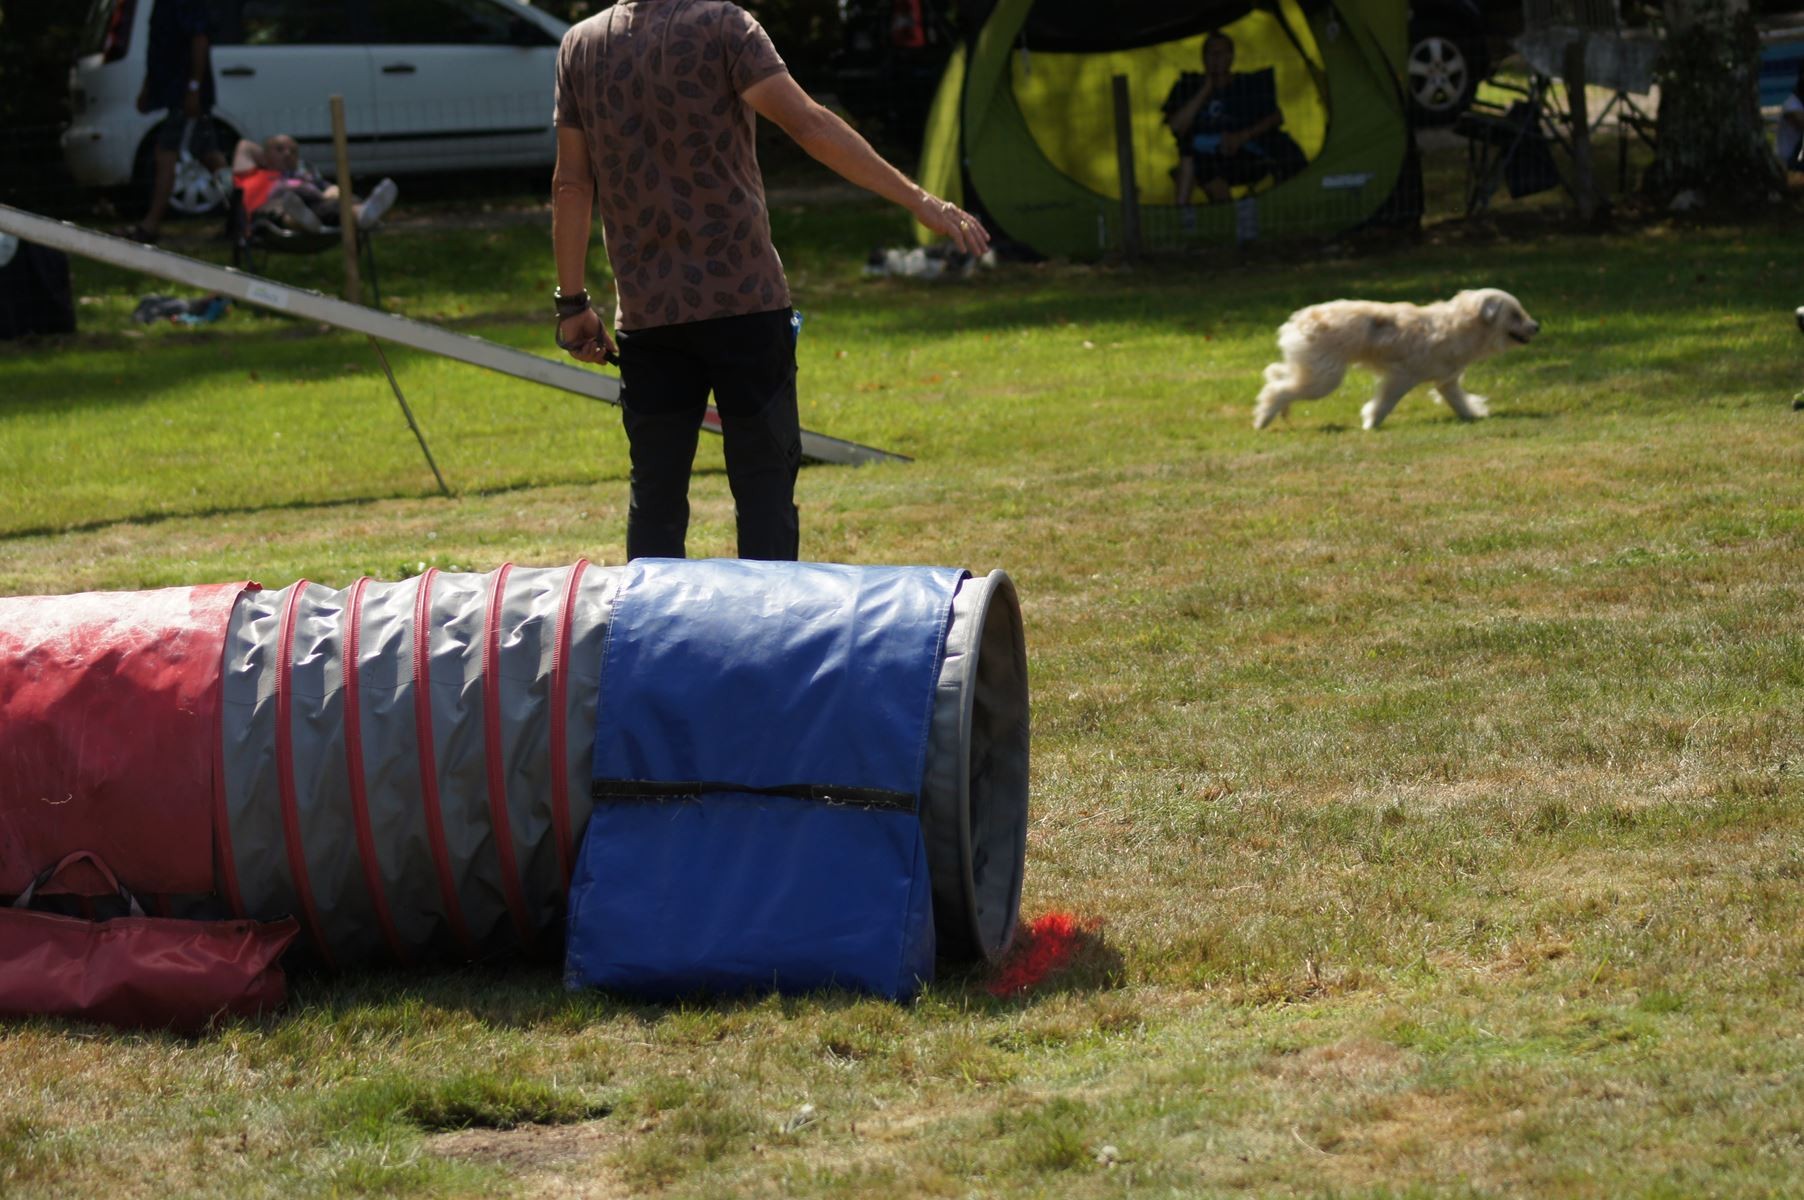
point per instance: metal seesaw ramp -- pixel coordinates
(404, 331)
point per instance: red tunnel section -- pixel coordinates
(109, 733)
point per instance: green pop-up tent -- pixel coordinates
(1023, 128)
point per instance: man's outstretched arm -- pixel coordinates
(836, 145)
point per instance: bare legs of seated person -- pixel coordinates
(1216, 189)
(305, 209)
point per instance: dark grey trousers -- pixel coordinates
(666, 374)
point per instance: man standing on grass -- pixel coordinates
(655, 116)
(178, 77)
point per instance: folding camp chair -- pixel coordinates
(1507, 146)
(255, 236)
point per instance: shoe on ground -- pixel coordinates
(381, 199)
(157, 307)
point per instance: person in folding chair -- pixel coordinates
(1229, 126)
(278, 186)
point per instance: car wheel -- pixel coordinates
(1443, 76)
(197, 191)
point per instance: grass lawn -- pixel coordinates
(1437, 791)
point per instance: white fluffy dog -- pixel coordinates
(1404, 344)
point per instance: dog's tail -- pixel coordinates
(1291, 343)
(1292, 338)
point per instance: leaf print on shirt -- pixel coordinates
(656, 88)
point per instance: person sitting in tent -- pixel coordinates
(276, 183)
(1228, 126)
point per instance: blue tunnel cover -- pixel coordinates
(761, 741)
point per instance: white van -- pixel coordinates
(429, 85)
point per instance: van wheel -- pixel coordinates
(197, 191)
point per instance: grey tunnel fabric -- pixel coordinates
(426, 808)
(403, 856)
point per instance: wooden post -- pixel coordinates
(1124, 162)
(347, 212)
(1584, 181)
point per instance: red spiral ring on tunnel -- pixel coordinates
(560, 689)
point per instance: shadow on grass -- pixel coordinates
(467, 1100)
(1175, 297)
(135, 369)
(223, 510)
(300, 504)
(1335, 428)
(527, 995)
(1555, 283)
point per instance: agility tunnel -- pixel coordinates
(411, 768)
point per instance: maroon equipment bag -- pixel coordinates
(137, 971)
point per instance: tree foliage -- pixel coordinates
(806, 32)
(37, 47)
(1710, 136)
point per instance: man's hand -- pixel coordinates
(1181, 120)
(944, 217)
(585, 338)
(1231, 143)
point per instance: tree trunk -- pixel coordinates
(1578, 111)
(1710, 137)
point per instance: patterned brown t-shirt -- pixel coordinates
(655, 87)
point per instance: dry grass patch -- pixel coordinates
(561, 1162)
